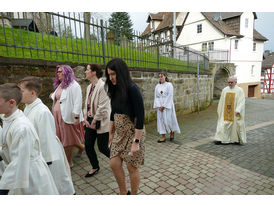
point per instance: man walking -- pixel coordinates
(231, 115)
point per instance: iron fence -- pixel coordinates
(69, 37)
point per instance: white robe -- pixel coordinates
(166, 119)
(51, 147)
(26, 172)
(2, 163)
(231, 129)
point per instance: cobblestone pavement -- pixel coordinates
(192, 164)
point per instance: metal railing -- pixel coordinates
(68, 37)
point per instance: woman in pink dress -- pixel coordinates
(67, 111)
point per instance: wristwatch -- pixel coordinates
(137, 140)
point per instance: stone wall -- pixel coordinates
(185, 84)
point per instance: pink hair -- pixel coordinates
(68, 77)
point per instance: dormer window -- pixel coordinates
(152, 25)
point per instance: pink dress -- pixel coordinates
(69, 134)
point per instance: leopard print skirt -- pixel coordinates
(122, 140)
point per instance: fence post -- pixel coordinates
(198, 90)
(158, 56)
(103, 41)
(187, 59)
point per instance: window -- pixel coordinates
(246, 23)
(152, 25)
(211, 46)
(252, 70)
(204, 47)
(236, 44)
(162, 35)
(199, 28)
(254, 46)
(167, 34)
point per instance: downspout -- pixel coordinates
(174, 34)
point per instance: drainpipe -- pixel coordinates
(174, 34)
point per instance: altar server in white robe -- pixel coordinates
(2, 163)
(166, 115)
(43, 121)
(26, 171)
(231, 115)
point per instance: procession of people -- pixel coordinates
(37, 145)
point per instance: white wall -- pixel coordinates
(243, 71)
(243, 57)
(191, 38)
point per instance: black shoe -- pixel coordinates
(128, 192)
(90, 175)
(160, 141)
(217, 142)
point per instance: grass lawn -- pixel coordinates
(49, 47)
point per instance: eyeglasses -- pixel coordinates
(230, 82)
(59, 72)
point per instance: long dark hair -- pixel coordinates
(123, 79)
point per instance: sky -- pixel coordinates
(264, 24)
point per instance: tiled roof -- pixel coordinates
(158, 16)
(227, 15)
(268, 61)
(258, 36)
(166, 19)
(220, 25)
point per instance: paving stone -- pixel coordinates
(193, 164)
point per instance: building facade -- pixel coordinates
(232, 32)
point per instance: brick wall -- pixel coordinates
(185, 84)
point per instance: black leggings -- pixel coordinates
(102, 142)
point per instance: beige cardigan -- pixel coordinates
(100, 106)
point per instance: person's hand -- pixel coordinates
(87, 124)
(93, 126)
(134, 148)
(161, 108)
(76, 121)
(110, 138)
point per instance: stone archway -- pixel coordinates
(221, 72)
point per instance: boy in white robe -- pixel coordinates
(231, 115)
(26, 171)
(166, 115)
(2, 164)
(51, 147)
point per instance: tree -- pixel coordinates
(121, 26)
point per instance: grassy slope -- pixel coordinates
(80, 50)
